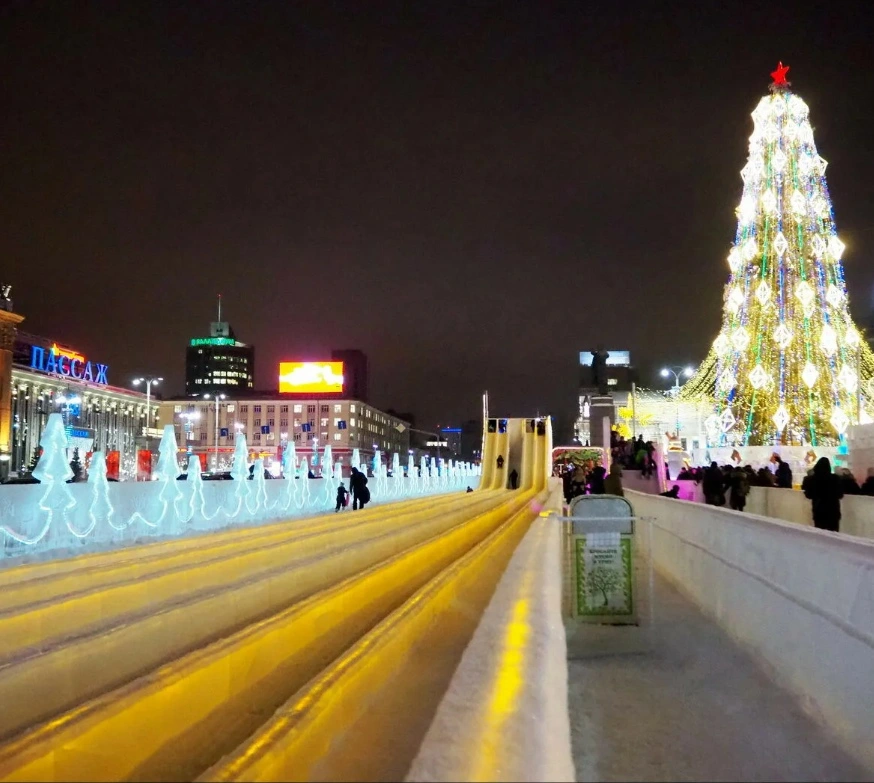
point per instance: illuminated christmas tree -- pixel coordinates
(788, 366)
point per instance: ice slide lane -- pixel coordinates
(344, 724)
(28, 585)
(488, 459)
(47, 578)
(55, 651)
(179, 719)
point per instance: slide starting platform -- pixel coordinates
(523, 445)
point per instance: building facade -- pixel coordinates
(219, 363)
(271, 421)
(48, 378)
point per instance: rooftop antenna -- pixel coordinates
(220, 308)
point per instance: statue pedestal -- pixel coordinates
(601, 407)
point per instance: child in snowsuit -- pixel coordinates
(342, 493)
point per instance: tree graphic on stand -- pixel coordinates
(789, 365)
(603, 581)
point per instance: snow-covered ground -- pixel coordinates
(693, 706)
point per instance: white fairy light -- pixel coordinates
(780, 243)
(740, 339)
(781, 418)
(782, 336)
(809, 375)
(758, 377)
(828, 340)
(763, 292)
(840, 421)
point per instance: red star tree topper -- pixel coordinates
(779, 76)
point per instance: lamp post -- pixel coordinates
(188, 418)
(218, 398)
(149, 380)
(677, 372)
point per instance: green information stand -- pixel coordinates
(602, 561)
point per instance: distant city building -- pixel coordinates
(464, 442)
(272, 421)
(218, 363)
(47, 378)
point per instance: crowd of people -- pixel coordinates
(821, 486)
(590, 479)
(721, 485)
(633, 453)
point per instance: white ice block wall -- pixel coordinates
(54, 518)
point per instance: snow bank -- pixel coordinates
(505, 715)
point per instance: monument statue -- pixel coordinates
(599, 369)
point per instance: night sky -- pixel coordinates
(471, 193)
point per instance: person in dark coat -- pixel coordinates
(613, 482)
(783, 474)
(849, 485)
(673, 492)
(739, 488)
(713, 486)
(342, 493)
(825, 492)
(867, 487)
(514, 478)
(566, 481)
(596, 480)
(358, 485)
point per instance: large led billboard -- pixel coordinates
(311, 377)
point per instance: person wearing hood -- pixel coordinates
(783, 474)
(613, 482)
(824, 490)
(713, 486)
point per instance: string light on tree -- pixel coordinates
(788, 362)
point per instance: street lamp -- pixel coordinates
(149, 380)
(218, 399)
(686, 372)
(188, 418)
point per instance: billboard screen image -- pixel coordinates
(310, 377)
(616, 358)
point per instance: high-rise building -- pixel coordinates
(218, 363)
